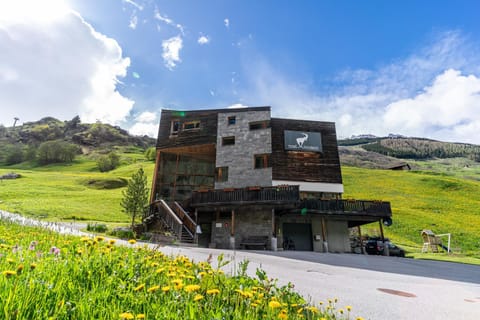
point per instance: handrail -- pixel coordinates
(170, 218)
(348, 206)
(253, 194)
(186, 219)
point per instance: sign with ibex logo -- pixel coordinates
(303, 141)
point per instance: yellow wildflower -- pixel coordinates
(254, 304)
(140, 316)
(274, 304)
(213, 291)
(99, 238)
(166, 288)
(198, 297)
(85, 239)
(10, 260)
(349, 308)
(192, 288)
(33, 266)
(132, 241)
(126, 316)
(283, 314)
(153, 289)
(140, 287)
(312, 309)
(8, 273)
(112, 241)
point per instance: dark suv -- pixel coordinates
(375, 246)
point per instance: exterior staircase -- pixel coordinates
(174, 218)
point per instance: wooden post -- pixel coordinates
(324, 235)
(385, 247)
(232, 227)
(360, 238)
(273, 223)
(154, 179)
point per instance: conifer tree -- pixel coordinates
(135, 197)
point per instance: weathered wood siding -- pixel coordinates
(205, 134)
(305, 166)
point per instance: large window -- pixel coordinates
(221, 174)
(190, 125)
(175, 127)
(257, 125)
(261, 161)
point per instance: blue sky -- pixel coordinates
(379, 67)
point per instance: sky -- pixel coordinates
(372, 67)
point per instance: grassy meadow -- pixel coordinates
(76, 191)
(422, 200)
(442, 202)
(45, 275)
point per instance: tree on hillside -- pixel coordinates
(108, 162)
(135, 197)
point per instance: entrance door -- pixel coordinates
(298, 236)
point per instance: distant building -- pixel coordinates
(237, 178)
(400, 166)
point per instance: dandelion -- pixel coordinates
(274, 304)
(359, 318)
(20, 269)
(192, 288)
(10, 260)
(84, 239)
(9, 273)
(126, 316)
(349, 308)
(197, 297)
(132, 241)
(140, 287)
(213, 291)
(166, 288)
(283, 314)
(340, 311)
(140, 316)
(153, 289)
(112, 241)
(99, 238)
(312, 309)
(33, 266)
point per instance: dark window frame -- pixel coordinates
(232, 120)
(195, 123)
(221, 174)
(262, 161)
(258, 125)
(173, 124)
(228, 141)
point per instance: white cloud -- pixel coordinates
(226, 21)
(133, 21)
(237, 106)
(146, 124)
(203, 40)
(171, 51)
(53, 63)
(426, 94)
(147, 116)
(168, 21)
(449, 106)
(133, 3)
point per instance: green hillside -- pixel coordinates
(421, 200)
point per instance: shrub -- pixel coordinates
(150, 154)
(14, 155)
(56, 152)
(97, 227)
(108, 162)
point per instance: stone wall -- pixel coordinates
(239, 157)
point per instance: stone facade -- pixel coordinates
(239, 157)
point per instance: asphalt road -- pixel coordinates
(377, 287)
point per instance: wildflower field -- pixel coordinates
(45, 275)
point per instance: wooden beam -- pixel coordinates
(154, 179)
(232, 227)
(360, 238)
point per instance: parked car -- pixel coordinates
(375, 246)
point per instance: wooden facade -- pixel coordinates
(305, 166)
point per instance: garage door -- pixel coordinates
(299, 236)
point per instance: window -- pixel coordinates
(256, 125)
(232, 120)
(190, 125)
(175, 127)
(262, 161)
(227, 141)
(221, 174)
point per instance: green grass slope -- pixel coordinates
(421, 200)
(69, 192)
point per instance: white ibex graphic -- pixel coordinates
(301, 141)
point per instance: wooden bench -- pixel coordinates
(254, 241)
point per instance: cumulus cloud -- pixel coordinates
(430, 93)
(203, 40)
(226, 21)
(171, 51)
(146, 124)
(52, 62)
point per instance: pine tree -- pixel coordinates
(135, 197)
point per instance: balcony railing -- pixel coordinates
(276, 194)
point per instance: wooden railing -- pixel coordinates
(161, 209)
(188, 222)
(249, 194)
(380, 208)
